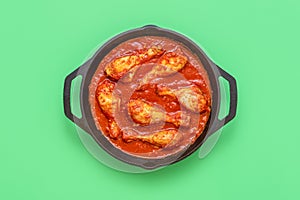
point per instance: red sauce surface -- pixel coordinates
(192, 73)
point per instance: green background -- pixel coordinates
(258, 154)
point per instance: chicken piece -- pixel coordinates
(190, 97)
(120, 66)
(108, 104)
(162, 138)
(107, 101)
(145, 113)
(168, 64)
(128, 77)
(113, 128)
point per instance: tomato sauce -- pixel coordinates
(192, 74)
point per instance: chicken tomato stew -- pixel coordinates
(150, 96)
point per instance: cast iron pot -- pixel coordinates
(87, 70)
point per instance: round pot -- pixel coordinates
(87, 123)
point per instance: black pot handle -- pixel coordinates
(81, 122)
(233, 99)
